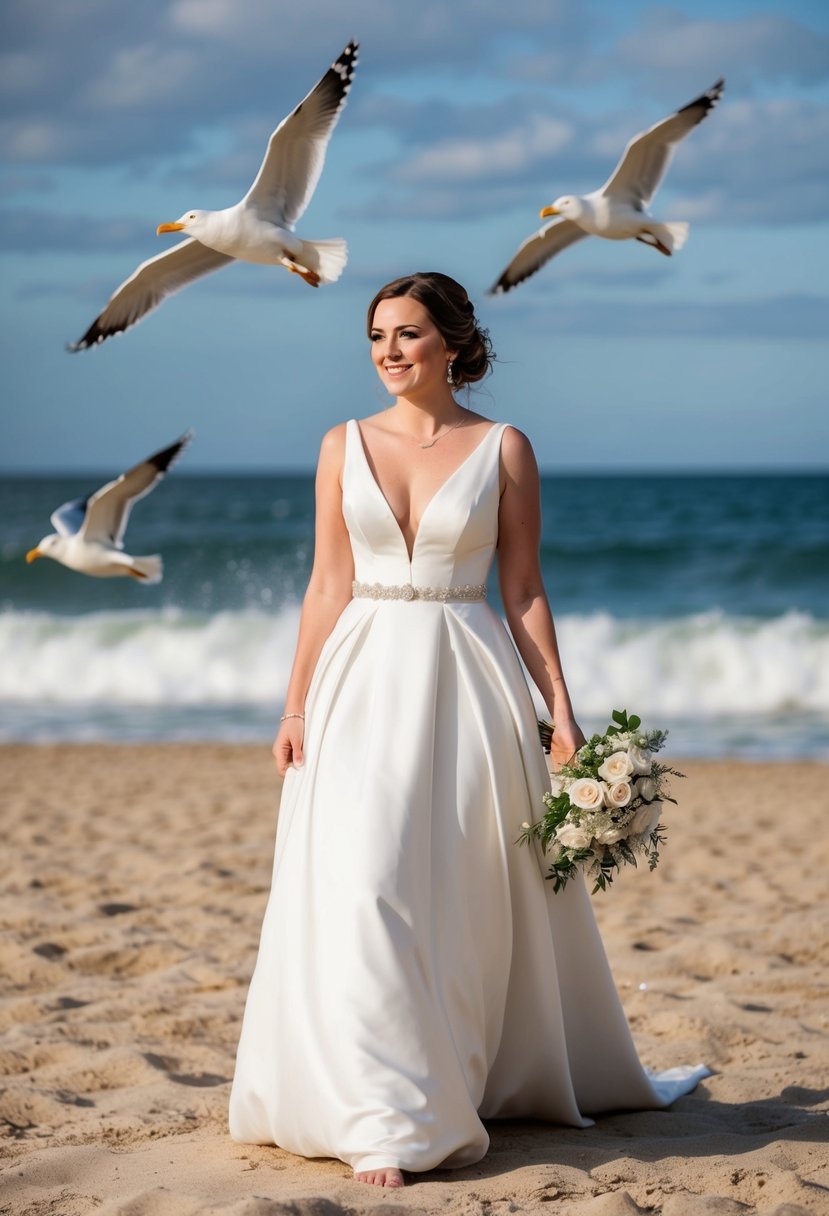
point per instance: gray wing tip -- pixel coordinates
(716, 91)
(163, 460)
(336, 81)
(507, 282)
(94, 336)
(707, 100)
(345, 64)
(349, 56)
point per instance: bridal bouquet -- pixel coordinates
(603, 807)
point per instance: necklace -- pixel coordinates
(441, 434)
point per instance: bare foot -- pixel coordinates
(385, 1177)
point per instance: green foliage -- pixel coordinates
(602, 861)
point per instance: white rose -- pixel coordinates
(646, 819)
(572, 837)
(619, 794)
(646, 788)
(616, 767)
(586, 793)
(641, 760)
(611, 835)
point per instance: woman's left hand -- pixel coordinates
(567, 739)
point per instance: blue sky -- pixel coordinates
(464, 119)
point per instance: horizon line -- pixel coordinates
(564, 474)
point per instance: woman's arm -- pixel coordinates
(329, 590)
(522, 589)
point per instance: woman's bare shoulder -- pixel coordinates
(332, 451)
(333, 441)
(517, 453)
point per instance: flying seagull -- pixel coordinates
(89, 534)
(260, 228)
(618, 211)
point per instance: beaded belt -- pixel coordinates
(466, 592)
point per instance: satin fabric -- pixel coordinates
(415, 972)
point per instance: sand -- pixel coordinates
(134, 881)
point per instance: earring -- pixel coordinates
(450, 379)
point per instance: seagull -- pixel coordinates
(90, 531)
(260, 228)
(618, 211)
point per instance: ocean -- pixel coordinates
(698, 602)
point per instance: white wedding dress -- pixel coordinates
(416, 974)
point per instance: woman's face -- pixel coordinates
(407, 348)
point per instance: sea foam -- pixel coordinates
(699, 666)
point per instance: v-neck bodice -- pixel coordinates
(458, 529)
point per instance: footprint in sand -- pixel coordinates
(201, 1080)
(49, 950)
(139, 959)
(113, 1068)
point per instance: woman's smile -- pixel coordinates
(407, 348)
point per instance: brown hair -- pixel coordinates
(451, 310)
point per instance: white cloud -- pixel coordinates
(506, 153)
(752, 161)
(38, 140)
(452, 32)
(140, 76)
(765, 46)
(179, 76)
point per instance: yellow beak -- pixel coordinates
(33, 555)
(169, 228)
(543, 213)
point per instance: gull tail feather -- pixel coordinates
(147, 569)
(674, 235)
(325, 258)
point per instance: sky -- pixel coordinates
(465, 118)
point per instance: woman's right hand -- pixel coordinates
(567, 739)
(287, 746)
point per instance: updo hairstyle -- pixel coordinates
(451, 310)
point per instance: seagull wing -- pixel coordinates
(147, 286)
(536, 250)
(68, 519)
(108, 509)
(645, 161)
(295, 157)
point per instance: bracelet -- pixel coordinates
(285, 717)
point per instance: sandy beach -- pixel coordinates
(134, 881)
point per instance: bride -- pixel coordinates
(415, 973)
